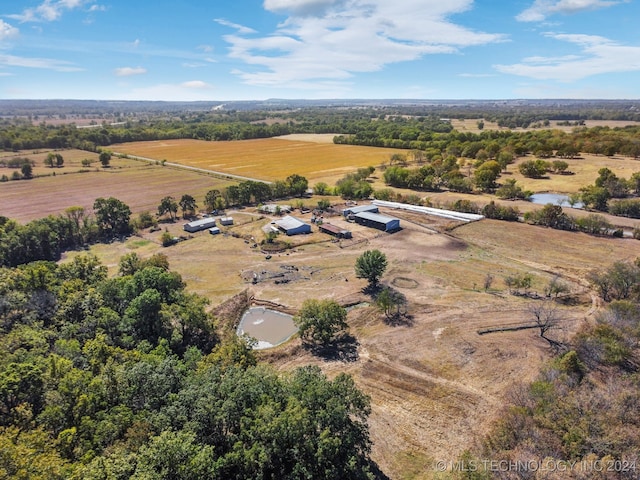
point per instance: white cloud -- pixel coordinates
(129, 71)
(299, 7)
(541, 9)
(598, 55)
(44, 63)
(240, 28)
(196, 84)
(98, 8)
(330, 40)
(7, 30)
(205, 48)
(51, 10)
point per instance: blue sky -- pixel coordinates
(314, 49)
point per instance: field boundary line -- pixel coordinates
(187, 167)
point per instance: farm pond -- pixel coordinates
(268, 327)
(553, 198)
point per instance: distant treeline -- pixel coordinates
(372, 127)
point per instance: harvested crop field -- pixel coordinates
(140, 185)
(264, 159)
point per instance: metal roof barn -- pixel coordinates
(376, 220)
(198, 225)
(359, 209)
(293, 226)
(334, 230)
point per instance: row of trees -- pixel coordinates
(425, 132)
(47, 238)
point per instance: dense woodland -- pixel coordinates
(125, 377)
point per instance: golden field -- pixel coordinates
(264, 159)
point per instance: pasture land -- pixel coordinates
(435, 384)
(264, 159)
(582, 171)
(138, 184)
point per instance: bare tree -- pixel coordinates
(546, 317)
(488, 281)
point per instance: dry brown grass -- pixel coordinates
(265, 159)
(138, 184)
(582, 171)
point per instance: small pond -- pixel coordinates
(553, 198)
(268, 327)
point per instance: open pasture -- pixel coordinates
(264, 159)
(139, 185)
(582, 171)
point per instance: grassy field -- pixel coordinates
(265, 159)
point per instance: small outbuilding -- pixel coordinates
(376, 220)
(274, 209)
(198, 225)
(292, 225)
(334, 230)
(214, 230)
(359, 209)
(225, 221)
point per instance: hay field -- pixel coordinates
(264, 159)
(138, 184)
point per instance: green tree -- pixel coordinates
(27, 170)
(211, 198)
(105, 159)
(486, 174)
(533, 168)
(391, 302)
(175, 456)
(510, 191)
(595, 197)
(54, 159)
(371, 265)
(321, 188)
(297, 184)
(320, 322)
(168, 205)
(188, 205)
(112, 216)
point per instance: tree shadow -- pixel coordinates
(399, 320)
(342, 349)
(373, 289)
